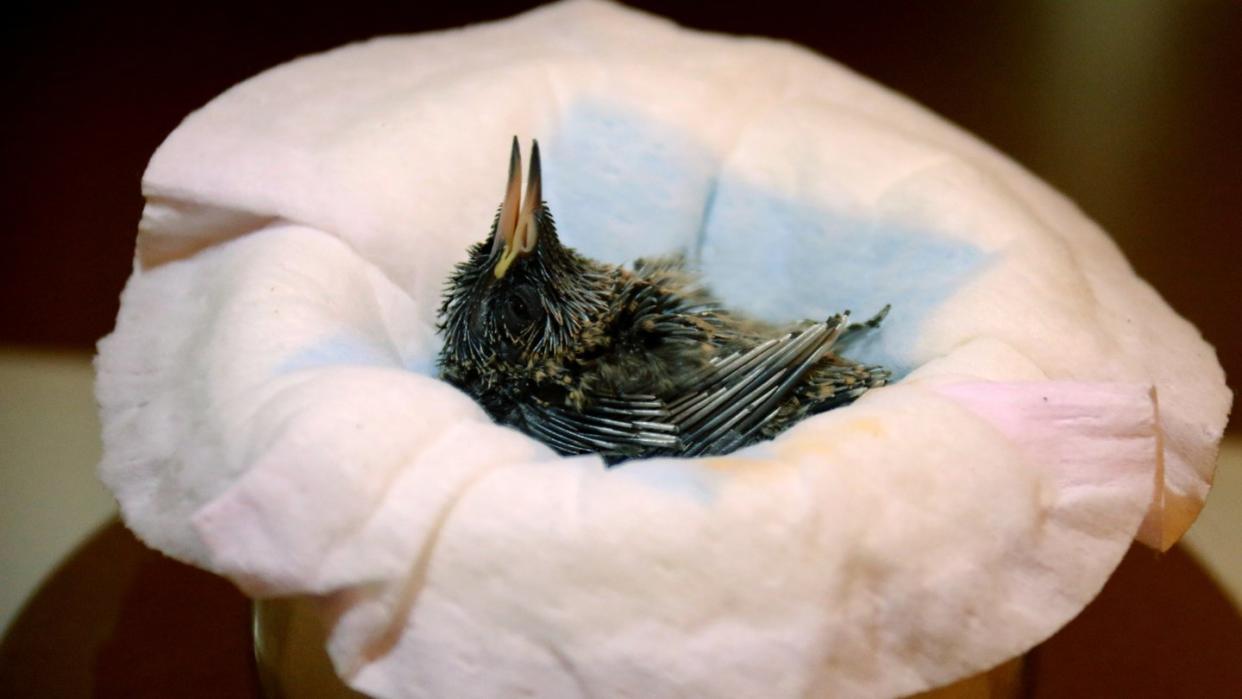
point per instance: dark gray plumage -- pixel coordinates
(588, 357)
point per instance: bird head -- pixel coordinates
(521, 298)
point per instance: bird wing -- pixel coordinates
(623, 426)
(740, 392)
(723, 406)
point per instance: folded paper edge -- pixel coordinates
(1033, 413)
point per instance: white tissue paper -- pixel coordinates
(271, 410)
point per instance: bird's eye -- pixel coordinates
(520, 309)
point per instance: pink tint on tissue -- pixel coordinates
(1082, 434)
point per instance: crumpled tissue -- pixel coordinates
(271, 410)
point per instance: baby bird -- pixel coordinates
(627, 363)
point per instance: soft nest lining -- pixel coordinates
(271, 412)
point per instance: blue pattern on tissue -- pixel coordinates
(622, 186)
(783, 261)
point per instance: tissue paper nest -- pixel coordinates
(271, 410)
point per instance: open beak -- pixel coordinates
(517, 231)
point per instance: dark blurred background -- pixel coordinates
(1129, 106)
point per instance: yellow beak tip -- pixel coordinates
(510, 254)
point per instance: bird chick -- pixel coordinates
(627, 363)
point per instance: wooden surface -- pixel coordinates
(1131, 108)
(119, 620)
